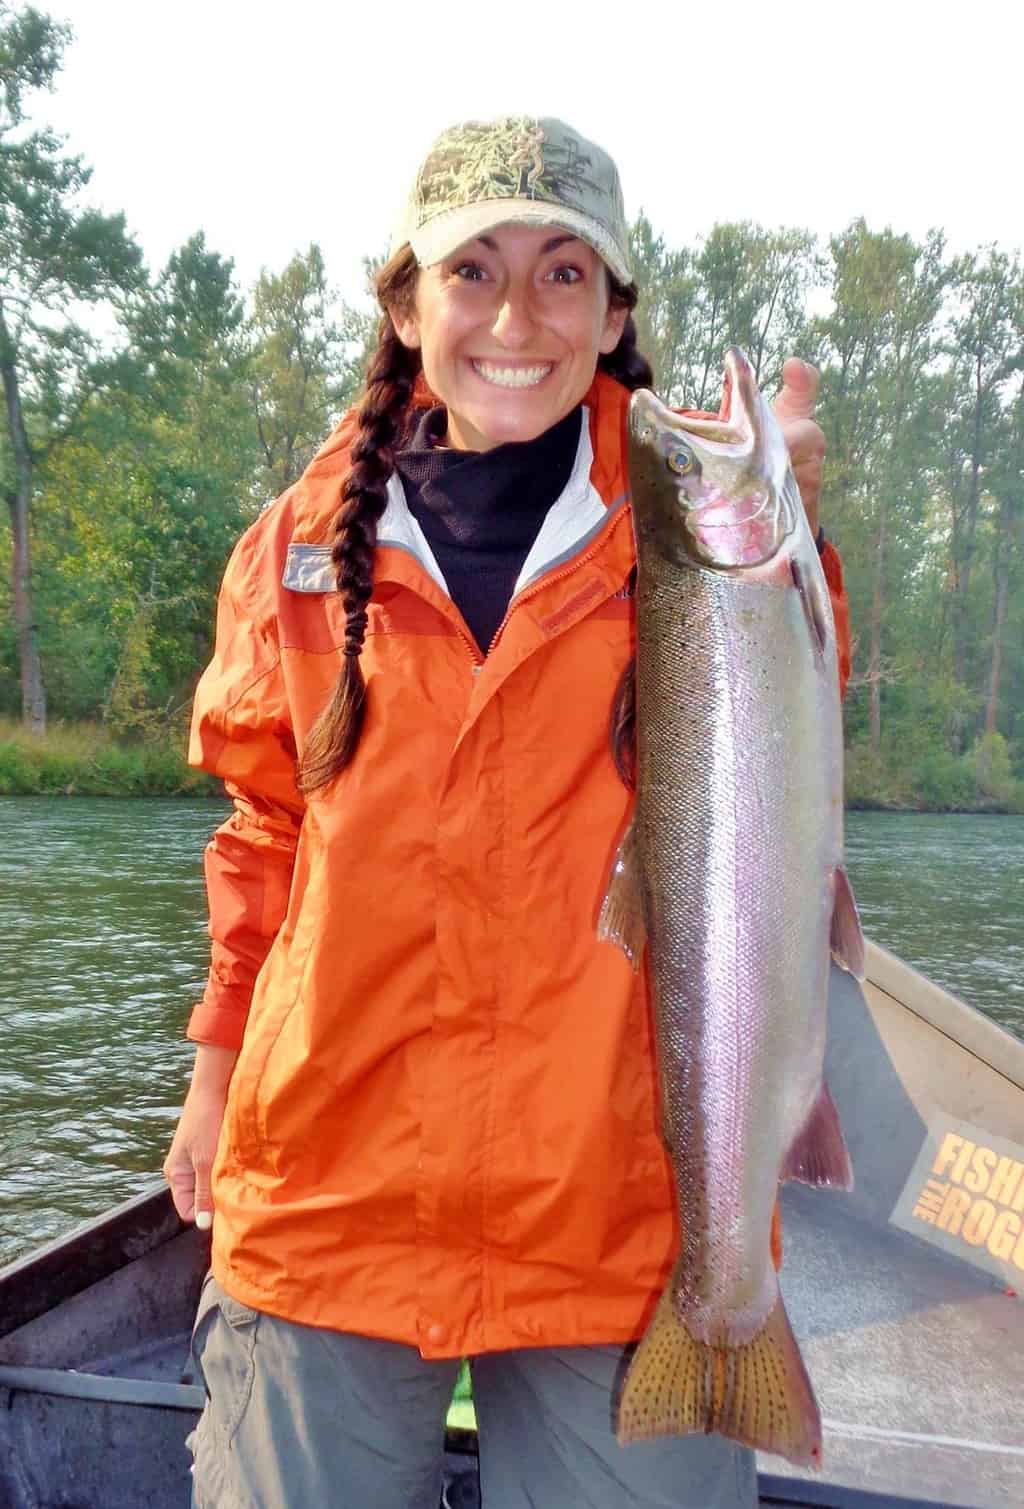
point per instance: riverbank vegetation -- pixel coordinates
(132, 462)
(88, 760)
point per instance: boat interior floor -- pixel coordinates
(102, 1378)
(917, 1355)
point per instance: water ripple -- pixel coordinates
(103, 949)
(946, 893)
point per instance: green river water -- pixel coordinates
(103, 949)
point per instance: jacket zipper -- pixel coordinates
(555, 576)
(527, 593)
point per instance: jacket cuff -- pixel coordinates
(219, 1025)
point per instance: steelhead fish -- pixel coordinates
(731, 873)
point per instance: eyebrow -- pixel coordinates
(549, 246)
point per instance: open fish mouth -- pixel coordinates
(726, 477)
(732, 431)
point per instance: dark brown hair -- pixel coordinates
(382, 422)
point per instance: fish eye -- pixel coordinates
(682, 460)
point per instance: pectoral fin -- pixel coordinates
(810, 590)
(819, 1154)
(846, 939)
(621, 919)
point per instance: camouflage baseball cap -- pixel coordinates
(480, 174)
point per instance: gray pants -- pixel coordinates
(302, 1418)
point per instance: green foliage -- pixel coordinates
(944, 782)
(993, 772)
(296, 367)
(136, 511)
(743, 285)
(86, 760)
(926, 773)
(31, 48)
(358, 324)
(54, 252)
(142, 460)
(869, 781)
(55, 255)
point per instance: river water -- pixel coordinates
(103, 949)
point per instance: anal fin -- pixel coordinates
(846, 939)
(819, 1154)
(621, 919)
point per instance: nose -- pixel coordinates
(514, 322)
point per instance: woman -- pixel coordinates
(433, 1087)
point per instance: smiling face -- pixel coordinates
(510, 328)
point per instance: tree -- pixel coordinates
(665, 312)
(190, 341)
(1007, 485)
(53, 254)
(360, 328)
(986, 348)
(744, 286)
(296, 366)
(875, 350)
(913, 288)
(189, 324)
(143, 503)
(752, 284)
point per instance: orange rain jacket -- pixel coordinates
(442, 1125)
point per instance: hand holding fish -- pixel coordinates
(794, 409)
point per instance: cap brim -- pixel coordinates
(450, 229)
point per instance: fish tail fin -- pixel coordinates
(819, 1154)
(758, 1394)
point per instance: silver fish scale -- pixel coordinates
(736, 763)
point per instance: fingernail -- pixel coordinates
(204, 1220)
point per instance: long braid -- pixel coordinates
(390, 380)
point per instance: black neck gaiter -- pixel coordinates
(481, 510)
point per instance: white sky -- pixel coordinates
(273, 125)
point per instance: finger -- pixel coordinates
(805, 441)
(806, 453)
(204, 1199)
(182, 1181)
(799, 392)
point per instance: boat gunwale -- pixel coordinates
(957, 1020)
(90, 1252)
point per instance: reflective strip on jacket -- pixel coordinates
(442, 1126)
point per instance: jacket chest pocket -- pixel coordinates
(312, 617)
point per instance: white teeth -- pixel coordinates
(512, 377)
